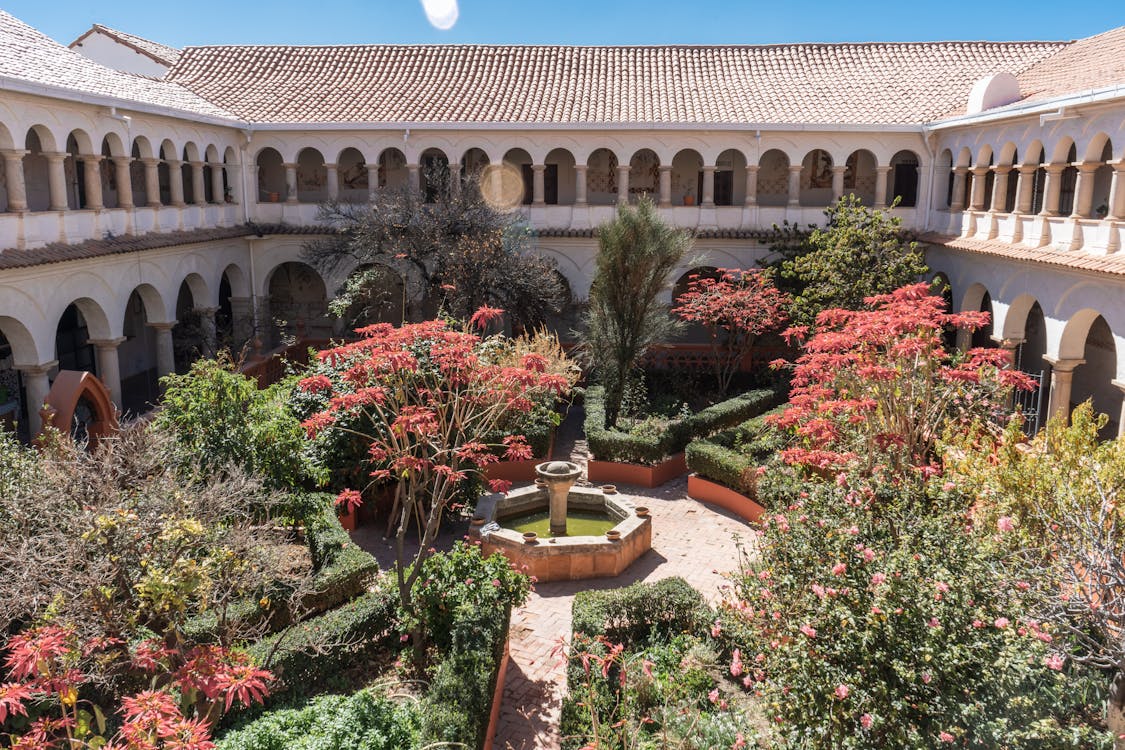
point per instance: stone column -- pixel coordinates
(152, 182)
(538, 187)
(751, 184)
(455, 178)
(622, 183)
(1009, 347)
(207, 327)
(665, 185)
(218, 195)
(957, 203)
(332, 182)
(1000, 190)
(198, 189)
(1026, 189)
(290, 183)
(234, 180)
(1062, 377)
(838, 181)
(1084, 191)
(93, 181)
(109, 367)
(496, 178)
(13, 173)
(176, 183)
(1052, 189)
(414, 176)
(976, 191)
(580, 184)
(372, 182)
(881, 186)
(795, 184)
(707, 200)
(38, 385)
(56, 180)
(165, 352)
(121, 165)
(1117, 192)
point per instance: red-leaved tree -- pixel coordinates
(736, 308)
(877, 387)
(424, 396)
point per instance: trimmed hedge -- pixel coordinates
(311, 652)
(641, 612)
(616, 445)
(732, 457)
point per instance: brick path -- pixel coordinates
(689, 540)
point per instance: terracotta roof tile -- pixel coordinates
(1090, 63)
(794, 83)
(28, 55)
(1076, 259)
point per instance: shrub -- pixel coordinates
(641, 612)
(616, 445)
(733, 457)
(361, 721)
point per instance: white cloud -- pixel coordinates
(441, 13)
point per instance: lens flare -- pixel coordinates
(442, 14)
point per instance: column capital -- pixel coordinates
(1087, 167)
(12, 154)
(1027, 169)
(1118, 384)
(206, 310)
(112, 343)
(150, 161)
(623, 167)
(961, 171)
(539, 167)
(581, 167)
(883, 169)
(1055, 168)
(665, 167)
(166, 325)
(1002, 169)
(1008, 344)
(327, 165)
(709, 167)
(796, 168)
(1061, 365)
(749, 168)
(292, 165)
(839, 168)
(125, 160)
(977, 171)
(174, 163)
(40, 369)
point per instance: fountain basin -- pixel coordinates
(563, 558)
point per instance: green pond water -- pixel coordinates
(578, 523)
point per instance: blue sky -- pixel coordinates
(575, 21)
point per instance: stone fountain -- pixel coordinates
(559, 477)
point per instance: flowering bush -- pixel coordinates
(875, 387)
(736, 308)
(423, 399)
(873, 617)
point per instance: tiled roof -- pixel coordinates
(839, 84)
(1090, 63)
(1076, 259)
(158, 52)
(28, 55)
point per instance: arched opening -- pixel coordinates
(905, 166)
(137, 171)
(234, 318)
(473, 163)
(730, 178)
(230, 161)
(383, 298)
(939, 284)
(816, 178)
(859, 176)
(137, 357)
(188, 335)
(982, 337)
(1068, 180)
(352, 170)
(164, 172)
(945, 172)
(773, 178)
(1103, 181)
(1039, 180)
(393, 172)
(518, 162)
(73, 349)
(298, 303)
(644, 175)
(187, 173)
(435, 175)
(210, 158)
(74, 167)
(107, 172)
(693, 333)
(1013, 184)
(312, 176)
(36, 169)
(601, 178)
(1029, 358)
(989, 179)
(1094, 379)
(687, 178)
(559, 178)
(271, 176)
(13, 397)
(568, 318)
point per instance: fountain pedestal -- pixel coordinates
(559, 476)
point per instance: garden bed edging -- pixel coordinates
(636, 474)
(713, 493)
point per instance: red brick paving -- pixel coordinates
(689, 540)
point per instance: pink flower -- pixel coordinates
(1055, 662)
(926, 677)
(485, 315)
(1005, 523)
(878, 579)
(868, 555)
(1001, 622)
(933, 622)
(808, 631)
(866, 721)
(716, 629)
(736, 663)
(839, 569)
(842, 691)
(713, 696)
(946, 737)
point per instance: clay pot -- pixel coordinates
(476, 522)
(609, 489)
(540, 483)
(347, 520)
(613, 535)
(274, 197)
(530, 537)
(641, 511)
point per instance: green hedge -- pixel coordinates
(310, 653)
(732, 457)
(641, 612)
(616, 445)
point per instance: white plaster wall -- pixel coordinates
(113, 54)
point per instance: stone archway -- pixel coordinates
(79, 404)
